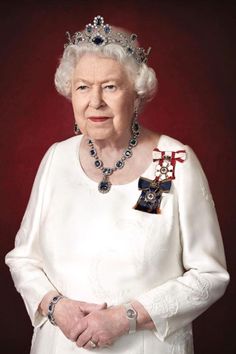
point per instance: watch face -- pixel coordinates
(131, 313)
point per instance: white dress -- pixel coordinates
(96, 247)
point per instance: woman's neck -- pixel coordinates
(119, 143)
(111, 150)
(134, 166)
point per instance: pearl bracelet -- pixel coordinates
(51, 308)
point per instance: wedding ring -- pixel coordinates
(93, 344)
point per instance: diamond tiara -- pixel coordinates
(100, 34)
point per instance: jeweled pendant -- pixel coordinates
(104, 186)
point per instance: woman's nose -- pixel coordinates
(96, 98)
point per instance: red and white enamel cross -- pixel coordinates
(165, 163)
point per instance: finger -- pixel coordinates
(88, 307)
(84, 338)
(91, 344)
(77, 330)
(105, 344)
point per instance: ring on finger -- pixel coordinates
(92, 343)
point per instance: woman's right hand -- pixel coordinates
(68, 313)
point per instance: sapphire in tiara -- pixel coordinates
(98, 21)
(89, 28)
(100, 34)
(107, 29)
(130, 51)
(98, 40)
(133, 37)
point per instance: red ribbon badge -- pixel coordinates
(165, 163)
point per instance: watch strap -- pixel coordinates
(132, 315)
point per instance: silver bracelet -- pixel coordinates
(51, 308)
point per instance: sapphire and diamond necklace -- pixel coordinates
(105, 185)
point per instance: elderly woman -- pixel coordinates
(119, 249)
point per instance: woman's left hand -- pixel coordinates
(102, 327)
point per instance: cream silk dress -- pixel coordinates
(95, 247)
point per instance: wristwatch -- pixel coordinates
(132, 315)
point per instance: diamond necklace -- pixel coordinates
(105, 185)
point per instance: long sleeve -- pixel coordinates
(25, 261)
(177, 302)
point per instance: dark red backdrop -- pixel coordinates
(193, 54)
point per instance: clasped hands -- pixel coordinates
(93, 325)
(88, 323)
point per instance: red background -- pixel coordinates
(193, 55)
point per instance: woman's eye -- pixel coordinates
(82, 87)
(110, 87)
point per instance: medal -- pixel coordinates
(151, 190)
(151, 193)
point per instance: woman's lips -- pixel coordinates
(98, 119)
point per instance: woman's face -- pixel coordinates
(103, 98)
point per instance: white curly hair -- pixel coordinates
(144, 77)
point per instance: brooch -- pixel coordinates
(151, 190)
(165, 162)
(150, 198)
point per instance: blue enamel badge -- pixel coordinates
(151, 193)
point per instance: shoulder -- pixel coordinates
(64, 147)
(168, 143)
(184, 160)
(69, 143)
(61, 153)
(170, 146)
